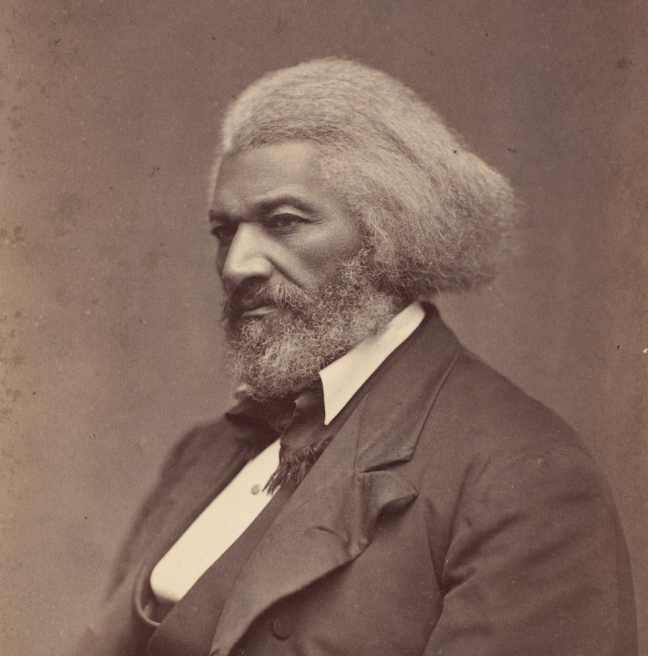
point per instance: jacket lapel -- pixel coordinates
(329, 519)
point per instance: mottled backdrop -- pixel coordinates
(110, 346)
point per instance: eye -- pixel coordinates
(224, 232)
(283, 221)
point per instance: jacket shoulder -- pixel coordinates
(487, 408)
(486, 439)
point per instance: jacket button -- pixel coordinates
(283, 626)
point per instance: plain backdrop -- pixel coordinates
(110, 346)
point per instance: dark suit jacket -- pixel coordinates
(452, 514)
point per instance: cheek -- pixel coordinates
(321, 265)
(315, 256)
(342, 241)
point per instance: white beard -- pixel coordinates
(283, 352)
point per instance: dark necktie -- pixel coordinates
(298, 422)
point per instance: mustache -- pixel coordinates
(250, 294)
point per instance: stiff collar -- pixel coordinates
(344, 377)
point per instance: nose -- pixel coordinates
(245, 256)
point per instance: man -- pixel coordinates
(415, 501)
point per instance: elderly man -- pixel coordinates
(376, 489)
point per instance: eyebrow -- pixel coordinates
(265, 207)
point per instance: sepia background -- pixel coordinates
(110, 346)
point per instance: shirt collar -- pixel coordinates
(344, 377)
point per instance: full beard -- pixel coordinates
(283, 352)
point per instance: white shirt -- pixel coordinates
(238, 505)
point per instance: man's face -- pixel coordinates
(277, 225)
(298, 280)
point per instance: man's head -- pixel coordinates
(339, 196)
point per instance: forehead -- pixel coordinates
(264, 173)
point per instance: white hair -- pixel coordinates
(435, 215)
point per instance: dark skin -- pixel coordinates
(277, 224)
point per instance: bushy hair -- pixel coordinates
(435, 215)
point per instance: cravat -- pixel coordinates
(299, 423)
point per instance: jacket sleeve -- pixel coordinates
(536, 564)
